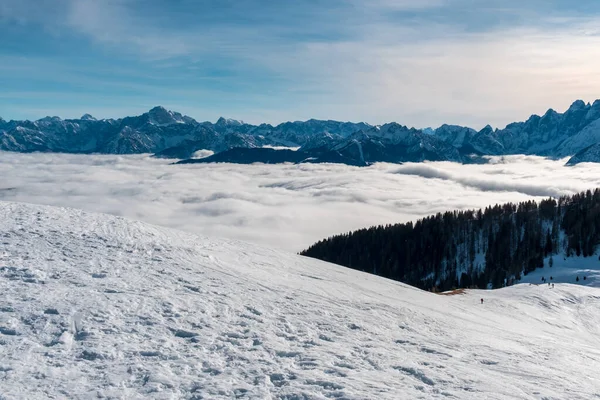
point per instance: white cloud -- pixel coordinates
(366, 66)
(451, 76)
(268, 146)
(285, 206)
(497, 179)
(203, 153)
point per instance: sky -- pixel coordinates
(418, 62)
(287, 207)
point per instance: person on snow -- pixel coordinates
(481, 301)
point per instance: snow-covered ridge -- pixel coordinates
(99, 306)
(156, 131)
(170, 134)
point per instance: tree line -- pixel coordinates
(494, 246)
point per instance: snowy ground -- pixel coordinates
(566, 270)
(95, 306)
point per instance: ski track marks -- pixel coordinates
(95, 306)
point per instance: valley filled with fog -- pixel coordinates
(281, 206)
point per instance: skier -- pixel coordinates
(553, 286)
(481, 301)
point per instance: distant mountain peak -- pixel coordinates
(49, 119)
(161, 116)
(577, 105)
(222, 121)
(157, 109)
(487, 129)
(87, 117)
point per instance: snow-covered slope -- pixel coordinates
(581, 270)
(589, 154)
(95, 306)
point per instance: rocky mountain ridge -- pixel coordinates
(173, 135)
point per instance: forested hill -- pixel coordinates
(472, 248)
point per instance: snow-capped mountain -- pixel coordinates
(299, 133)
(321, 140)
(148, 132)
(160, 131)
(87, 117)
(206, 139)
(171, 134)
(392, 143)
(98, 306)
(553, 134)
(457, 136)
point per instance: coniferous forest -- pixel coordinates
(460, 249)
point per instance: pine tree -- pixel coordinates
(514, 239)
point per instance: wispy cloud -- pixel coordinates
(421, 63)
(495, 182)
(113, 23)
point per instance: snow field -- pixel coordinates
(95, 306)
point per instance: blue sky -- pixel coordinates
(419, 62)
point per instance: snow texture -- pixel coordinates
(96, 306)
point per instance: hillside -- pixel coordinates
(494, 247)
(98, 306)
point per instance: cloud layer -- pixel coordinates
(284, 206)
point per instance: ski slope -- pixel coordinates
(567, 270)
(95, 306)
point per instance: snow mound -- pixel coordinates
(95, 306)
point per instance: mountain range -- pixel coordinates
(576, 132)
(160, 131)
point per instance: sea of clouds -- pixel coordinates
(284, 206)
